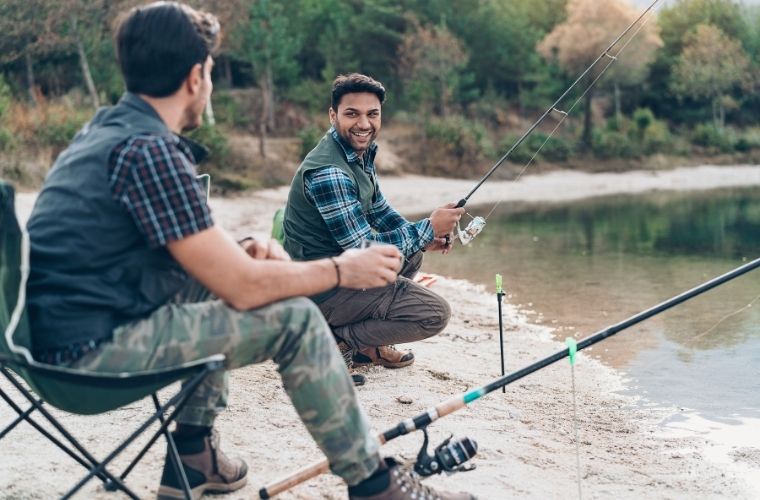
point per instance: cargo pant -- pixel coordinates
(403, 311)
(292, 333)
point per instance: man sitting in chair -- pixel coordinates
(130, 273)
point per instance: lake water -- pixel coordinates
(587, 265)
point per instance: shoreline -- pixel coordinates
(526, 439)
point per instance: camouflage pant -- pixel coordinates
(292, 333)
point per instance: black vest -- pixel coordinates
(91, 269)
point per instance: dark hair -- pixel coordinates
(353, 83)
(157, 45)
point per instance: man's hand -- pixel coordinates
(445, 219)
(439, 245)
(371, 267)
(265, 250)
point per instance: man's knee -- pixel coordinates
(439, 316)
(303, 325)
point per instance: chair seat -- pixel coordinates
(90, 393)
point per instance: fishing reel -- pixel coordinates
(473, 229)
(448, 456)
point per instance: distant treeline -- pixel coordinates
(460, 69)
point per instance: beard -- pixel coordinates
(358, 143)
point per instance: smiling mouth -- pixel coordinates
(362, 135)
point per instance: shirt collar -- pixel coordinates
(352, 155)
(197, 151)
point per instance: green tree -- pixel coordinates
(710, 66)
(676, 20)
(269, 45)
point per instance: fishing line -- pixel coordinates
(477, 223)
(724, 318)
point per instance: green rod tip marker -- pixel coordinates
(499, 288)
(572, 348)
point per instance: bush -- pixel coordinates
(555, 149)
(214, 139)
(466, 139)
(714, 138)
(612, 144)
(643, 118)
(657, 138)
(309, 137)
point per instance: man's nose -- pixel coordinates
(363, 121)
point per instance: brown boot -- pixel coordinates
(400, 482)
(384, 355)
(206, 470)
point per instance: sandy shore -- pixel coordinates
(526, 437)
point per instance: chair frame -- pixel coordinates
(12, 366)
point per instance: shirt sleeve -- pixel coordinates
(334, 195)
(155, 183)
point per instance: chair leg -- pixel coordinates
(84, 459)
(177, 401)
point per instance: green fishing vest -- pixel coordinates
(306, 234)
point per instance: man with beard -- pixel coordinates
(335, 204)
(130, 273)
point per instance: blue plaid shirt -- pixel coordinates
(153, 178)
(335, 196)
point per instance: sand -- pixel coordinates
(525, 435)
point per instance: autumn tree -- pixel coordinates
(431, 59)
(710, 66)
(590, 27)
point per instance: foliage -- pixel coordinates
(713, 137)
(214, 138)
(587, 32)
(464, 139)
(555, 148)
(309, 137)
(710, 66)
(431, 60)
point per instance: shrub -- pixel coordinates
(309, 137)
(555, 149)
(657, 138)
(612, 144)
(466, 139)
(643, 118)
(712, 137)
(214, 139)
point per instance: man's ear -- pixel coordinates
(331, 113)
(194, 79)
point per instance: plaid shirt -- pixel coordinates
(153, 178)
(337, 200)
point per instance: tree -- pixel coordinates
(431, 59)
(710, 66)
(676, 20)
(590, 27)
(269, 45)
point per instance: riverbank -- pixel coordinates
(526, 435)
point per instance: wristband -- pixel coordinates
(337, 271)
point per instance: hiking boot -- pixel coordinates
(347, 353)
(400, 482)
(384, 355)
(207, 470)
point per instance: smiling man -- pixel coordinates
(335, 204)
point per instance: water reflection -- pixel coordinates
(591, 264)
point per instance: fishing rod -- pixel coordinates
(422, 420)
(478, 223)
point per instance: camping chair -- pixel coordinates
(76, 391)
